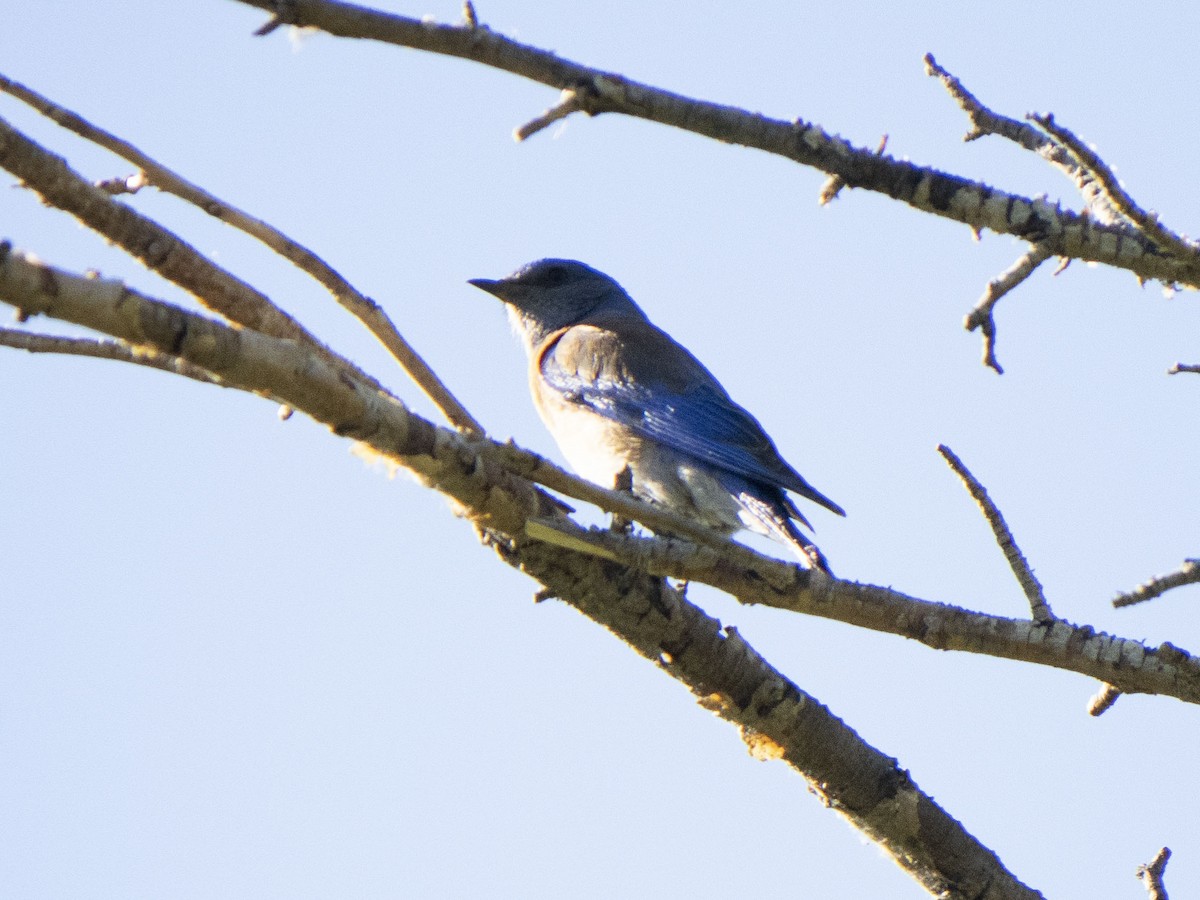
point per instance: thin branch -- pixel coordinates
(775, 717)
(1008, 545)
(570, 101)
(152, 172)
(1151, 875)
(975, 204)
(159, 249)
(754, 579)
(469, 17)
(1103, 701)
(1188, 573)
(985, 121)
(1183, 367)
(116, 350)
(1115, 195)
(494, 497)
(983, 316)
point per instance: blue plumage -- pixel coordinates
(616, 391)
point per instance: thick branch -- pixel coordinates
(1130, 666)
(776, 718)
(978, 205)
(361, 306)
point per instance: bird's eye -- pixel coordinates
(555, 275)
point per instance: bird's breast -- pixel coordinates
(597, 448)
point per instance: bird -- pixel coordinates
(616, 392)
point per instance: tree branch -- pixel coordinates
(985, 121)
(776, 718)
(1064, 233)
(1004, 537)
(1115, 197)
(159, 249)
(118, 350)
(1188, 573)
(982, 316)
(1151, 875)
(151, 172)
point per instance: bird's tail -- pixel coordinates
(777, 519)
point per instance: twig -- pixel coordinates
(469, 16)
(1116, 195)
(569, 101)
(938, 193)
(982, 316)
(362, 307)
(1188, 573)
(1183, 367)
(985, 121)
(1151, 875)
(116, 350)
(282, 14)
(1104, 700)
(1008, 545)
(836, 183)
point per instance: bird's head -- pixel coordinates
(550, 294)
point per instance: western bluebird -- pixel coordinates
(615, 391)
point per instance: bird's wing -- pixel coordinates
(646, 381)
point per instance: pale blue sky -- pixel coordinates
(236, 661)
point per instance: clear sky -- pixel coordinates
(237, 661)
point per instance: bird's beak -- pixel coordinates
(493, 287)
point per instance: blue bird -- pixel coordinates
(615, 391)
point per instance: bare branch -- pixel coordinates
(1016, 560)
(1188, 573)
(866, 786)
(1132, 667)
(502, 502)
(1101, 190)
(159, 249)
(570, 101)
(117, 350)
(1151, 875)
(152, 172)
(977, 205)
(985, 121)
(834, 185)
(1183, 367)
(982, 316)
(1115, 196)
